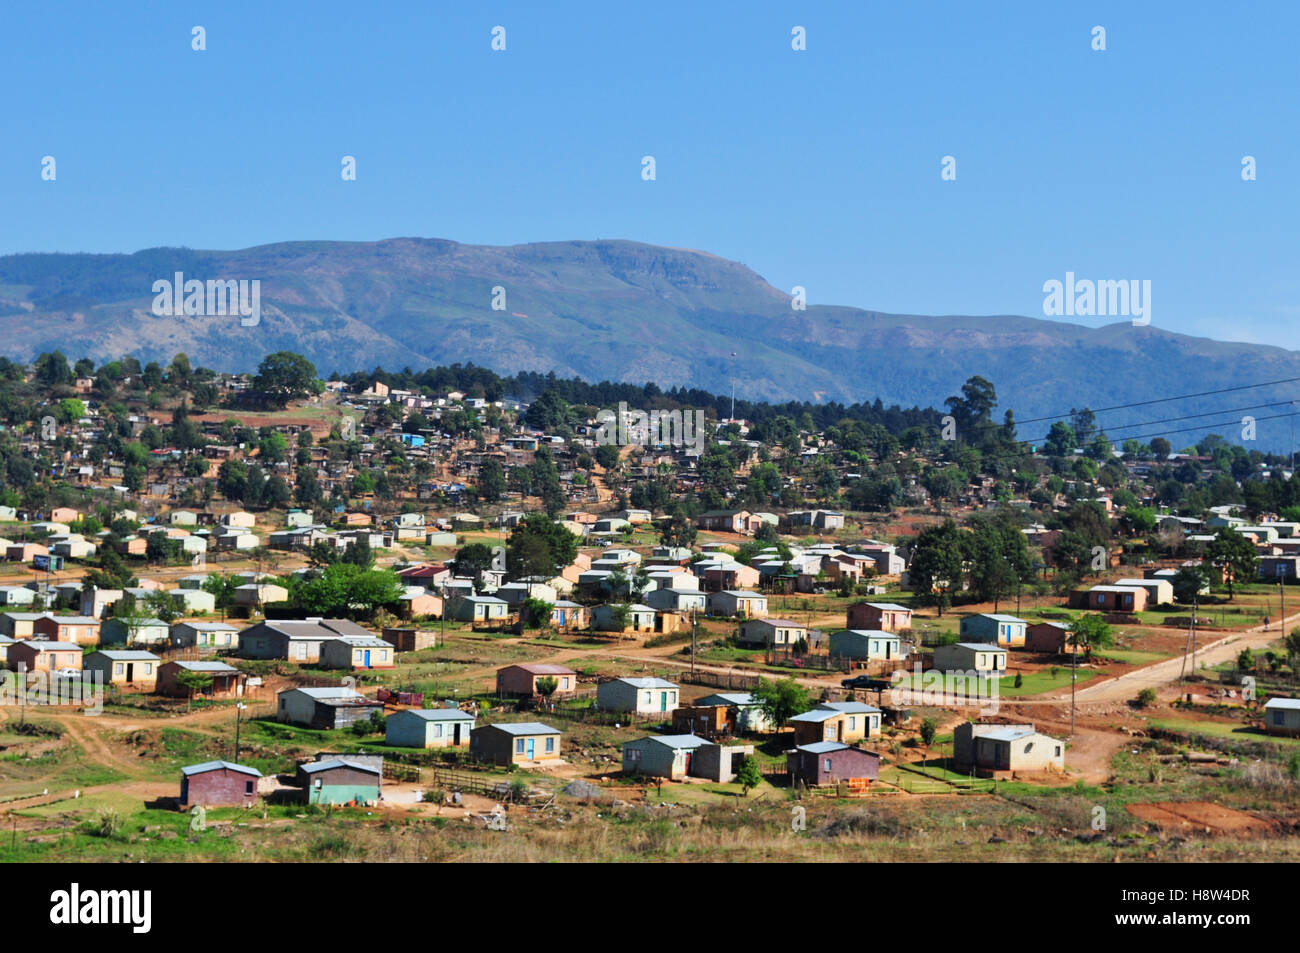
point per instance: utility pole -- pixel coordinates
(1074, 676)
(239, 708)
(1191, 642)
(694, 630)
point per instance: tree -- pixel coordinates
(782, 700)
(936, 566)
(193, 682)
(284, 376)
(929, 728)
(546, 685)
(748, 776)
(1091, 631)
(222, 588)
(491, 481)
(1189, 582)
(473, 560)
(1146, 698)
(1234, 556)
(537, 612)
(561, 544)
(1293, 650)
(344, 590)
(677, 530)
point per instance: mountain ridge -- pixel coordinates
(611, 309)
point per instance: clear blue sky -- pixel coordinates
(816, 168)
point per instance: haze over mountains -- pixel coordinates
(626, 311)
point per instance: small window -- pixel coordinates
(1277, 717)
(118, 669)
(1058, 751)
(519, 746)
(550, 744)
(316, 784)
(633, 754)
(437, 731)
(248, 787)
(826, 764)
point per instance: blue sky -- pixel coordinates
(818, 168)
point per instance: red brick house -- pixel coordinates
(881, 616)
(218, 784)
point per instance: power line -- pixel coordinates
(1159, 400)
(1165, 433)
(1108, 431)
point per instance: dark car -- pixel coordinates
(867, 682)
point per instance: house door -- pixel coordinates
(530, 744)
(130, 671)
(367, 658)
(688, 762)
(663, 701)
(455, 734)
(839, 731)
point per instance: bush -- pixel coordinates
(928, 730)
(1146, 698)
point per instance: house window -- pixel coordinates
(826, 765)
(564, 683)
(519, 746)
(118, 669)
(1101, 598)
(1277, 717)
(1029, 747)
(248, 787)
(550, 744)
(148, 668)
(853, 723)
(437, 731)
(647, 698)
(1058, 751)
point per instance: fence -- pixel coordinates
(728, 680)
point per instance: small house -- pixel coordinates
(224, 681)
(865, 644)
(1282, 716)
(770, 633)
(204, 636)
(325, 708)
(521, 680)
(134, 631)
(515, 742)
(831, 762)
(340, 781)
(83, 630)
(429, 728)
(357, 652)
(47, 657)
(640, 618)
(884, 616)
(1012, 748)
(644, 696)
(126, 668)
(218, 784)
(996, 629)
(1048, 637)
(738, 602)
(970, 657)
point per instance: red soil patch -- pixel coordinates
(1202, 816)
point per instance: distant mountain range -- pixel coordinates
(625, 311)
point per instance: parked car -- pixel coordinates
(866, 682)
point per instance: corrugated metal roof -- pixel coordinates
(438, 714)
(127, 655)
(315, 766)
(214, 765)
(646, 682)
(207, 667)
(525, 728)
(822, 747)
(1292, 704)
(676, 741)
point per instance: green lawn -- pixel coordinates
(1131, 656)
(1218, 729)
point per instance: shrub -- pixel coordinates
(1146, 698)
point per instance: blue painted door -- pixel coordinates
(367, 657)
(530, 749)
